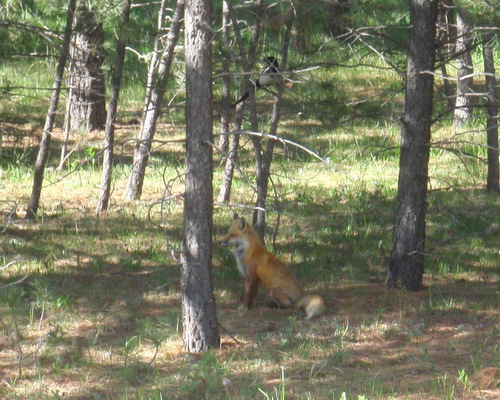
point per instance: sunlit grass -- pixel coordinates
(26, 87)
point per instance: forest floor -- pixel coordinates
(116, 333)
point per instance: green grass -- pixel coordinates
(26, 88)
(99, 314)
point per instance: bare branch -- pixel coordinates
(8, 265)
(281, 140)
(12, 283)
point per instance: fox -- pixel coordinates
(258, 265)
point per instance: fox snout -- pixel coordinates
(227, 240)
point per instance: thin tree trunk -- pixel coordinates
(406, 267)
(264, 160)
(492, 182)
(232, 157)
(448, 90)
(463, 103)
(67, 126)
(43, 152)
(225, 189)
(107, 169)
(152, 110)
(447, 40)
(254, 121)
(153, 65)
(226, 80)
(198, 301)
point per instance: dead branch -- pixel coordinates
(281, 140)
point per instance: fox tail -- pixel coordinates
(312, 304)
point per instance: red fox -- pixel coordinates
(257, 265)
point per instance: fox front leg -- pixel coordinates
(251, 286)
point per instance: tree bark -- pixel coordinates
(86, 103)
(107, 169)
(463, 103)
(43, 152)
(406, 267)
(492, 181)
(198, 301)
(152, 110)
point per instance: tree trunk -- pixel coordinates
(463, 103)
(64, 147)
(225, 188)
(198, 301)
(43, 152)
(492, 182)
(249, 86)
(407, 257)
(152, 110)
(116, 78)
(232, 157)
(264, 159)
(446, 38)
(86, 103)
(153, 65)
(226, 80)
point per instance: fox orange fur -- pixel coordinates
(258, 265)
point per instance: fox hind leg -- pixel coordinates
(280, 299)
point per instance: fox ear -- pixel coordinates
(242, 220)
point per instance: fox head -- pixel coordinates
(236, 232)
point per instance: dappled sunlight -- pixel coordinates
(102, 315)
(96, 311)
